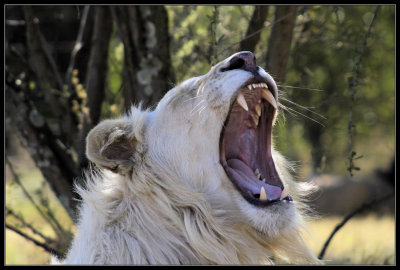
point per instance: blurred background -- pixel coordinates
(69, 67)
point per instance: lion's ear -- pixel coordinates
(111, 145)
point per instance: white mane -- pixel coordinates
(168, 199)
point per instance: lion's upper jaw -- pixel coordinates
(170, 199)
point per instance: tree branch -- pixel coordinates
(82, 42)
(53, 223)
(44, 148)
(27, 225)
(27, 237)
(96, 77)
(352, 85)
(363, 207)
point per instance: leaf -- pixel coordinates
(220, 38)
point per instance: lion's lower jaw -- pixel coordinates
(272, 221)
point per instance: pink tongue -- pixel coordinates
(246, 179)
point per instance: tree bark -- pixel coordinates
(147, 67)
(82, 47)
(253, 32)
(280, 41)
(96, 77)
(47, 152)
(42, 117)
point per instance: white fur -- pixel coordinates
(170, 201)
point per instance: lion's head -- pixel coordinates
(209, 140)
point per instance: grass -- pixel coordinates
(18, 250)
(363, 240)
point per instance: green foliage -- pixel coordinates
(113, 103)
(323, 57)
(191, 40)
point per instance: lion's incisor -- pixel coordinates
(171, 187)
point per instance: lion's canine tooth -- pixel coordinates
(258, 109)
(257, 173)
(284, 193)
(242, 102)
(255, 119)
(269, 97)
(249, 86)
(263, 195)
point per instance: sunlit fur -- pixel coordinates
(169, 201)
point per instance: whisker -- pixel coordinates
(294, 111)
(202, 109)
(305, 108)
(194, 108)
(303, 88)
(286, 109)
(198, 96)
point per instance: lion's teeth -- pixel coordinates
(257, 85)
(255, 119)
(263, 195)
(257, 173)
(284, 193)
(258, 109)
(264, 180)
(242, 102)
(269, 97)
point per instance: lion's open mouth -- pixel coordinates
(245, 146)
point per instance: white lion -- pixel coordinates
(195, 181)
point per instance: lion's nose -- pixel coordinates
(243, 60)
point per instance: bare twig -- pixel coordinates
(78, 45)
(214, 20)
(27, 237)
(352, 85)
(363, 207)
(25, 224)
(53, 222)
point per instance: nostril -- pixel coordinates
(235, 63)
(244, 60)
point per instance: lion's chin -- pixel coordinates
(271, 221)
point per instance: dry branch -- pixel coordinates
(352, 84)
(53, 222)
(96, 76)
(363, 207)
(27, 237)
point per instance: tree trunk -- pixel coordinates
(96, 77)
(43, 119)
(253, 32)
(147, 67)
(47, 152)
(280, 41)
